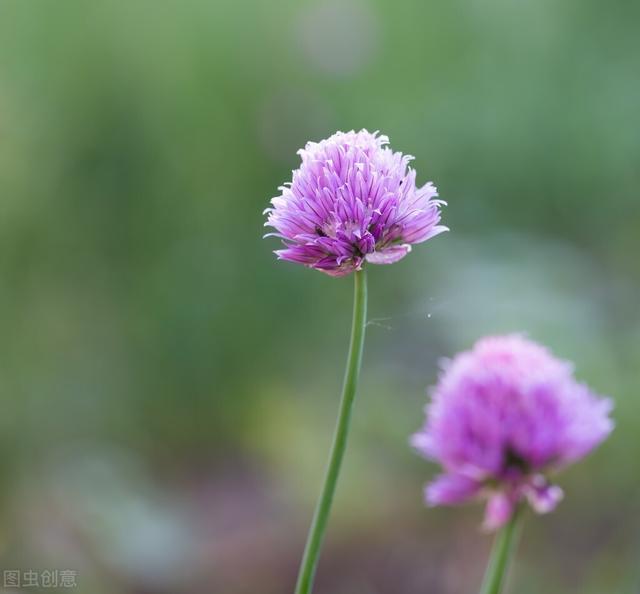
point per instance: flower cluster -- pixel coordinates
(503, 416)
(352, 200)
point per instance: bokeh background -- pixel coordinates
(168, 390)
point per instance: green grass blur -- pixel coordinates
(168, 390)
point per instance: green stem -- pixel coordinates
(503, 549)
(323, 507)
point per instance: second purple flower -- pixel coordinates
(503, 416)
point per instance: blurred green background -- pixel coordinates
(168, 389)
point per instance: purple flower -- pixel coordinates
(352, 200)
(502, 417)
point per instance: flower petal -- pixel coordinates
(451, 489)
(542, 496)
(389, 255)
(499, 510)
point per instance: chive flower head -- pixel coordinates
(352, 200)
(503, 417)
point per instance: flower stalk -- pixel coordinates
(323, 507)
(502, 552)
